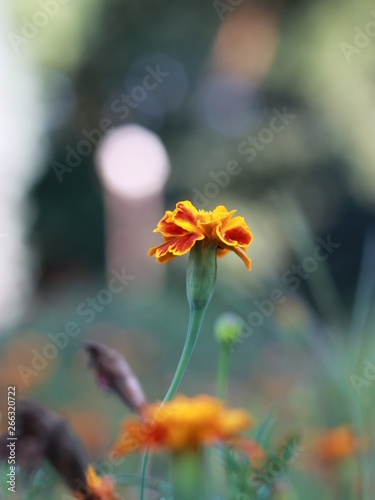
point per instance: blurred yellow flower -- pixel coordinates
(99, 488)
(181, 424)
(186, 225)
(336, 444)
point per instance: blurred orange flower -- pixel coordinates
(253, 450)
(23, 363)
(186, 225)
(336, 444)
(181, 424)
(99, 488)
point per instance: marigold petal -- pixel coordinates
(185, 216)
(222, 251)
(209, 221)
(225, 217)
(165, 258)
(243, 257)
(235, 233)
(129, 438)
(176, 246)
(167, 228)
(98, 487)
(93, 480)
(253, 450)
(153, 250)
(233, 421)
(221, 210)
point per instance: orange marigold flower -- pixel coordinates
(186, 225)
(99, 488)
(253, 450)
(337, 444)
(181, 424)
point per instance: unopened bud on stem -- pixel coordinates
(227, 328)
(114, 374)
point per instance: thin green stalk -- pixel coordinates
(195, 323)
(144, 474)
(363, 295)
(357, 417)
(221, 387)
(222, 370)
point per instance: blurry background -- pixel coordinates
(266, 107)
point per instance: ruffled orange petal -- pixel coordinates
(130, 438)
(98, 487)
(235, 233)
(176, 246)
(137, 435)
(221, 210)
(223, 216)
(243, 257)
(253, 450)
(185, 216)
(165, 258)
(167, 228)
(209, 221)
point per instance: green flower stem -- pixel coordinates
(200, 285)
(188, 476)
(146, 456)
(195, 323)
(223, 370)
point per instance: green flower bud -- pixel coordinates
(228, 328)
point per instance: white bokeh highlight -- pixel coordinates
(133, 162)
(22, 152)
(133, 167)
